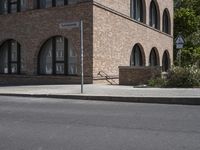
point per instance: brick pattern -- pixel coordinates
(137, 75)
(114, 36)
(32, 28)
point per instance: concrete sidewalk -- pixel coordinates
(108, 93)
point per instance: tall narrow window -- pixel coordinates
(58, 56)
(166, 22)
(166, 61)
(153, 58)
(3, 6)
(137, 56)
(137, 10)
(154, 15)
(10, 57)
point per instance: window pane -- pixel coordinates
(13, 68)
(13, 51)
(59, 49)
(72, 69)
(23, 5)
(59, 2)
(59, 68)
(72, 60)
(3, 6)
(4, 59)
(48, 3)
(46, 58)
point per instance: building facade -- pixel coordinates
(34, 47)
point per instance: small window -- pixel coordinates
(166, 61)
(166, 22)
(137, 56)
(58, 57)
(154, 15)
(153, 58)
(10, 57)
(137, 10)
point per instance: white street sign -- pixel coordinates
(69, 25)
(180, 42)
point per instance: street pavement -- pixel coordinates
(108, 92)
(63, 124)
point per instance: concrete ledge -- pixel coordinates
(157, 100)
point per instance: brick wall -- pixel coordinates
(137, 75)
(32, 28)
(115, 35)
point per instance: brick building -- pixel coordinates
(34, 48)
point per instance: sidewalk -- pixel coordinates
(107, 93)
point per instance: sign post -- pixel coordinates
(81, 37)
(71, 25)
(179, 45)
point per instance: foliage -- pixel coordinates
(157, 82)
(179, 77)
(184, 77)
(187, 22)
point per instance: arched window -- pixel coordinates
(166, 61)
(153, 58)
(137, 57)
(57, 56)
(166, 22)
(10, 57)
(137, 10)
(154, 15)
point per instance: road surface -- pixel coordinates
(56, 124)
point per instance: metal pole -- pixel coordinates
(81, 37)
(179, 57)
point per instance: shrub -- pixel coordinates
(181, 77)
(184, 77)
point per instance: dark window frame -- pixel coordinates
(166, 22)
(153, 54)
(54, 3)
(134, 10)
(166, 61)
(154, 6)
(13, 2)
(54, 61)
(9, 57)
(133, 56)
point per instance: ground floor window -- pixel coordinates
(166, 61)
(137, 56)
(57, 57)
(153, 58)
(10, 57)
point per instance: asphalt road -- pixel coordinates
(55, 124)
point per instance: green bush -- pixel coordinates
(180, 77)
(157, 82)
(184, 77)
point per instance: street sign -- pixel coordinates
(69, 25)
(180, 41)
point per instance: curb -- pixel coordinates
(154, 100)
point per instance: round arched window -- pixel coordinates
(166, 22)
(154, 15)
(10, 57)
(138, 10)
(153, 58)
(166, 61)
(137, 56)
(57, 56)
